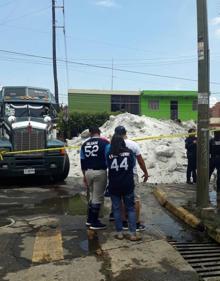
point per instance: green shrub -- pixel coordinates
(78, 122)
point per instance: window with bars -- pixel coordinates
(125, 103)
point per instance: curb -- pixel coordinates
(213, 232)
(179, 212)
(186, 216)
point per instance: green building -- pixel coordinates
(158, 104)
(103, 101)
(169, 104)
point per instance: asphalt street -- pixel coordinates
(46, 224)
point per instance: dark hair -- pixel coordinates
(217, 135)
(120, 130)
(94, 130)
(192, 130)
(118, 145)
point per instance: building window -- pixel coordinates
(125, 103)
(153, 104)
(195, 105)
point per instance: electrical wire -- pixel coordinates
(6, 3)
(29, 61)
(8, 16)
(85, 72)
(25, 28)
(26, 15)
(107, 67)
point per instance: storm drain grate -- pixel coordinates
(203, 257)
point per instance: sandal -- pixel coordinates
(119, 236)
(135, 238)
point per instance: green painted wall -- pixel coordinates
(82, 102)
(89, 103)
(186, 111)
(185, 107)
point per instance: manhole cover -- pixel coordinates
(6, 222)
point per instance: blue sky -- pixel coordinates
(153, 36)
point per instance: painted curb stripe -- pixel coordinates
(179, 212)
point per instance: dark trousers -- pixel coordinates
(212, 166)
(191, 170)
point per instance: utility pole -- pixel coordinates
(56, 91)
(203, 107)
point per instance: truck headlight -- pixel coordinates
(47, 119)
(11, 119)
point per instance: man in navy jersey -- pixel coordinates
(94, 167)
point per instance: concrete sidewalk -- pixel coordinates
(51, 246)
(149, 260)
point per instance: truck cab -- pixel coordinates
(27, 135)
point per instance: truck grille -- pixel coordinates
(25, 139)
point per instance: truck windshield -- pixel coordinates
(26, 110)
(21, 92)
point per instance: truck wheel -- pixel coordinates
(64, 175)
(66, 167)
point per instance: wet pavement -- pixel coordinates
(38, 210)
(159, 219)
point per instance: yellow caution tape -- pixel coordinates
(171, 136)
(182, 135)
(164, 137)
(2, 153)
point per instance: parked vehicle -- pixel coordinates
(27, 119)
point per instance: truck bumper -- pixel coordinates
(20, 166)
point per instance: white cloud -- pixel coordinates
(215, 21)
(213, 101)
(106, 3)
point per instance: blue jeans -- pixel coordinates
(128, 200)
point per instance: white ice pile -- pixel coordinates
(165, 158)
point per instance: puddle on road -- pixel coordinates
(91, 245)
(75, 205)
(163, 224)
(82, 242)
